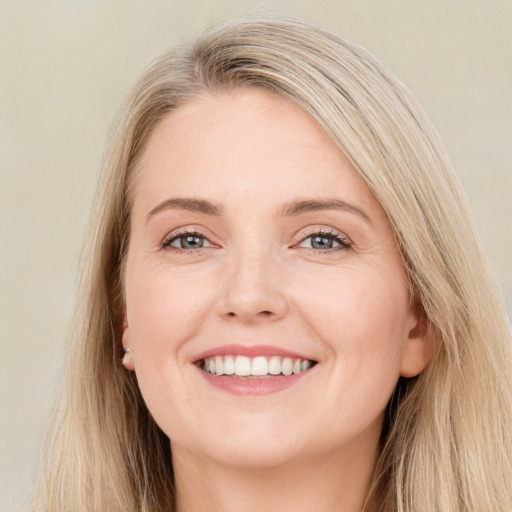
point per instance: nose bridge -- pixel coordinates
(252, 284)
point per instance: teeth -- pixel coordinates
(219, 365)
(287, 366)
(229, 365)
(242, 366)
(304, 365)
(259, 366)
(274, 365)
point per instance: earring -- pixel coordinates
(127, 357)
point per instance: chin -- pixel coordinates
(249, 446)
(255, 455)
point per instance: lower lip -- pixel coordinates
(256, 386)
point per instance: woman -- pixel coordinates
(282, 305)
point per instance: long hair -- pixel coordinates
(447, 442)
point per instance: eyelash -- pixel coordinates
(333, 235)
(166, 244)
(337, 237)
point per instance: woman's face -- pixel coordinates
(256, 248)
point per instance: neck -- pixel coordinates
(333, 482)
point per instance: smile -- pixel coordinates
(259, 366)
(253, 370)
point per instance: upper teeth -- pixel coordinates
(254, 366)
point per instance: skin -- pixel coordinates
(259, 280)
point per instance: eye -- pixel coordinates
(325, 241)
(187, 241)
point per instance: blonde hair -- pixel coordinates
(447, 441)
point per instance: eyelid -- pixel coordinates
(172, 240)
(343, 240)
(186, 230)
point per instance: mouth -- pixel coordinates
(253, 370)
(239, 366)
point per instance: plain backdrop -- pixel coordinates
(65, 68)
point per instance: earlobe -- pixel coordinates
(127, 360)
(419, 347)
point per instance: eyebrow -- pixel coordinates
(291, 209)
(191, 204)
(311, 205)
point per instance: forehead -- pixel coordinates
(243, 144)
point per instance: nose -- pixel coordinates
(253, 290)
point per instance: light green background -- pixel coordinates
(64, 69)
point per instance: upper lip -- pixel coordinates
(249, 351)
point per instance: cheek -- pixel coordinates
(360, 318)
(164, 309)
(164, 312)
(357, 303)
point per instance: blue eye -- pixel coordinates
(187, 241)
(320, 241)
(325, 241)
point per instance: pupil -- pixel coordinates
(320, 242)
(192, 242)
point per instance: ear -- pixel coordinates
(128, 354)
(419, 346)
